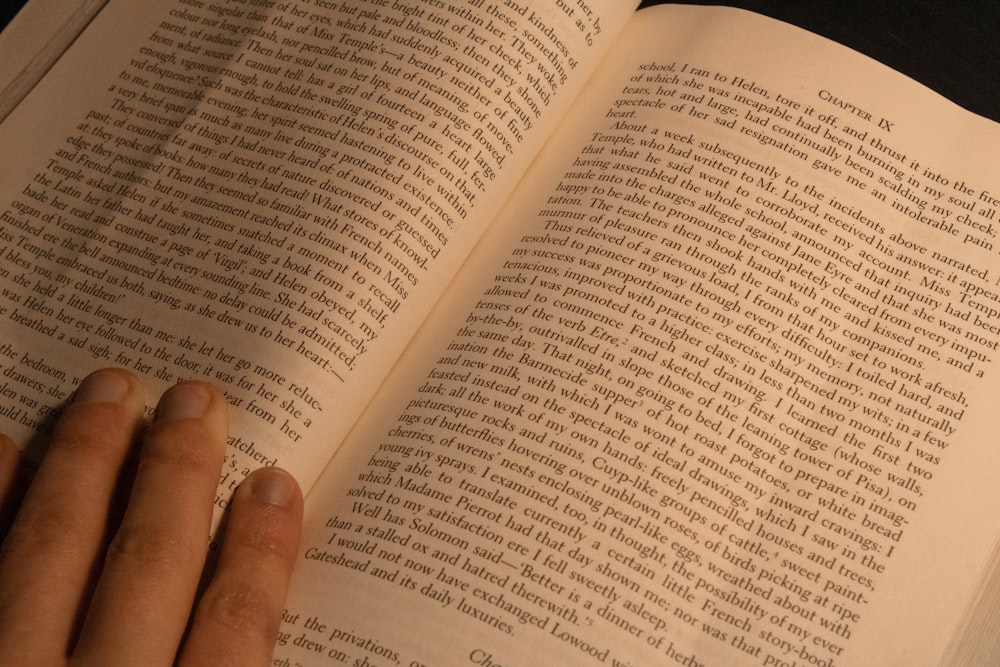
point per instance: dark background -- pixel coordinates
(951, 47)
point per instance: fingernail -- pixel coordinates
(102, 387)
(183, 401)
(273, 486)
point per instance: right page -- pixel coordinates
(716, 390)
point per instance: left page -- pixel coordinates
(270, 196)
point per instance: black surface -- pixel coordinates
(7, 10)
(951, 47)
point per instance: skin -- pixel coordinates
(84, 583)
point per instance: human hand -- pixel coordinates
(68, 596)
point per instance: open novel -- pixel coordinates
(595, 336)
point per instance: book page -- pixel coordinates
(269, 196)
(717, 390)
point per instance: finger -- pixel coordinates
(9, 458)
(52, 550)
(238, 617)
(143, 599)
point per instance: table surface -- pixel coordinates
(951, 47)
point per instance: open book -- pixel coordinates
(595, 337)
